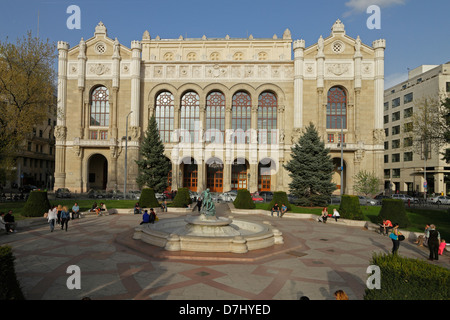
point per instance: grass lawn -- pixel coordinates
(84, 205)
(419, 218)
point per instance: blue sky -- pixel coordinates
(417, 32)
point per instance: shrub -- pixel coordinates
(9, 285)
(279, 197)
(182, 199)
(395, 211)
(350, 208)
(409, 279)
(37, 204)
(244, 200)
(148, 198)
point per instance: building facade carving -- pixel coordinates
(238, 103)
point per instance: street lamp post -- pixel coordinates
(126, 154)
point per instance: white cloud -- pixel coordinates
(359, 6)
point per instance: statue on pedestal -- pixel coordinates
(208, 208)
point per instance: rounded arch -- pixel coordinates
(337, 172)
(214, 174)
(276, 90)
(267, 168)
(189, 87)
(156, 90)
(97, 171)
(240, 169)
(243, 87)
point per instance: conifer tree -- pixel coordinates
(153, 166)
(311, 170)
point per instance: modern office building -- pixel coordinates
(228, 109)
(405, 166)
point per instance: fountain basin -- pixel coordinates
(208, 234)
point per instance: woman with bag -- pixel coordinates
(65, 217)
(396, 236)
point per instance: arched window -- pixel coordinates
(164, 115)
(215, 117)
(267, 118)
(190, 117)
(241, 117)
(337, 109)
(100, 107)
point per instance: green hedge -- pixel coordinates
(182, 199)
(148, 199)
(244, 200)
(350, 208)
(37, 204)
(409, 279)
(9, 285)
(281, 198)
(395, 211)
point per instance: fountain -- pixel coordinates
(208, 233)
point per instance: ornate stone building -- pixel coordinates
(228, 110)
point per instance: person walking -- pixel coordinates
(65, 217)
(434, 239)
(51, 218)
(58, 214)
(394, 237)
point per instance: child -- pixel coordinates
(442, 247)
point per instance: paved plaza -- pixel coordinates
(315, 260)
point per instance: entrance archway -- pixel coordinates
(337, 175)
(190, 174)
(214, 175)
(266, 168)
(239, 177)
(97, 172)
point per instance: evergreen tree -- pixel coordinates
(311, 169)
(154, 166)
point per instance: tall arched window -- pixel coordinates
(215, 117)
(267, 118)
(241, 117)
(100, 107)
(337, 108)
(190, 116)
(164, 115)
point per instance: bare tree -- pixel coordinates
(427, 128)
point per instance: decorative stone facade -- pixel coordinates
(276, 84)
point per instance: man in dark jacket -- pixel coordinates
(434, 239)
(10, 223)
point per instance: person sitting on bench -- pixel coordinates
(385, 227)
(276, 209)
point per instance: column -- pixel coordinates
(81, 82)
(60, 130)
(379, 46)
(358, 84)
(136, 49)
(299, 47)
